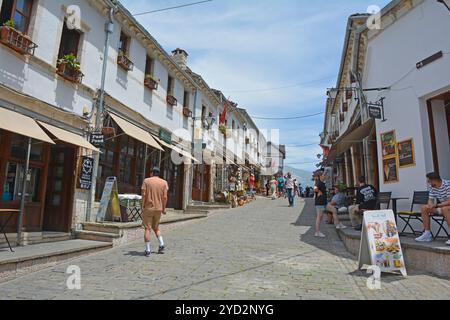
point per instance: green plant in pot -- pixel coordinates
(71, 61)
(151, 77)
(10, 24)
(223, 129)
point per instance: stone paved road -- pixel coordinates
(262, 251)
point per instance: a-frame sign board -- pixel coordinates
(380, 243)
(109, 209)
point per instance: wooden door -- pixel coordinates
(197, 183)
(60, 189)
(206, 182)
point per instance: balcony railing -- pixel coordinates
(17, 41)
(171, 100)
(124, 62)
(69, 73)
(150, 82)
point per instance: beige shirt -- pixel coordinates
(154, 194)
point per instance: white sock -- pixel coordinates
(147, 247)
(161, 241)
(427, 232)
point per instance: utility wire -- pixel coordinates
(302, 145)
(281, 87)
(171, 8)
(289, 118)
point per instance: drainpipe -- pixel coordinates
(109, 29)
(191, 172)
(24, 192)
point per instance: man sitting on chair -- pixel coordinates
(337, 205)
(366, 199)
(439, 203)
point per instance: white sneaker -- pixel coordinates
(319, 235)
(425, 237)
(448, 243)
(340, 227)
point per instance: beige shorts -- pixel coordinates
(151, 219)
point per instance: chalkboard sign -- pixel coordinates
(86, 169)
(406, 156)
(97, 139)
(109, 209)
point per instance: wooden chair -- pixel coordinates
(419, 198)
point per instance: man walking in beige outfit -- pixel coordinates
(154, 201)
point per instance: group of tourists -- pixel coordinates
(366, 200)
(284, 187)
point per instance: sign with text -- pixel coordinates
(375, 112)
(86, 170)
(380, 242)
(97, 139)
(109, 209)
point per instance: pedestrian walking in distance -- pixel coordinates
(290, 189)
(154, 201)
(273, 187)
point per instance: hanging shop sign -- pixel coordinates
(380, 243)
(86, 170)
(97, 139)
(109, 209)
(375, 112)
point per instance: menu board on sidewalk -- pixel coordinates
(380, 242)
(109, 209)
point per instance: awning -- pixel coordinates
(26, 126)
(351, 136)
(176, 149)
(68, 137)
(136, 132)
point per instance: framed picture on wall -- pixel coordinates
(390, 170)
(388, 144)
(406, 155)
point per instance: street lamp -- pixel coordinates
(446, 3)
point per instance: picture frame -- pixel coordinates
(388, 144)
(406, 153)
(390, 170)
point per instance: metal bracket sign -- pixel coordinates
(97, 139)
(109, 209)
(376, 109)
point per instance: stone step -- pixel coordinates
(97, 236)
(206, 207)
(37, 257)
(35, 238)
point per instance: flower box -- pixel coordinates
(150, 82)
(187, 112)
(171, 100)
(69, 73)
(16, 40)
(124, 62)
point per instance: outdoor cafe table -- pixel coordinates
(3, 226)
(394, 205)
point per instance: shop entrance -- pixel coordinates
(60, 189)
(200, 186)
(439, 121)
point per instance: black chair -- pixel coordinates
(440, 220)
(384, 198)
(419, 198)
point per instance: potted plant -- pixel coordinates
(124, 61)
(151, 82)
(69, 68)
(223, 129)
(15, 39)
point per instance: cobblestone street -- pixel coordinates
(265, 250)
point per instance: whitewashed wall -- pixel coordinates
(391, 62)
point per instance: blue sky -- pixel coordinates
(244, 47)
